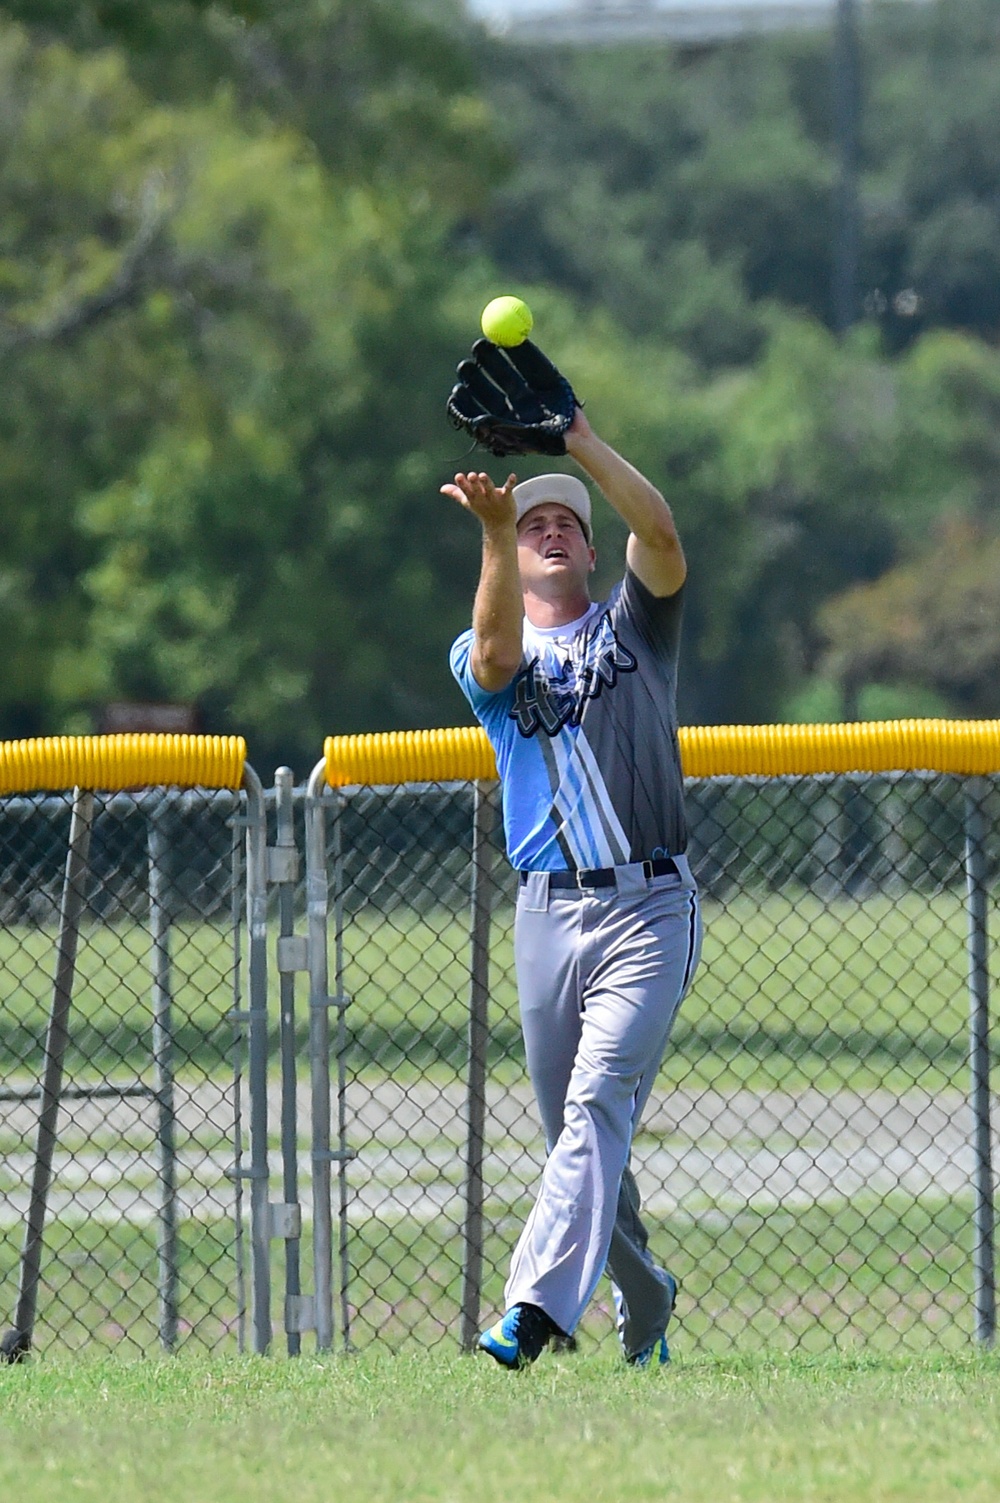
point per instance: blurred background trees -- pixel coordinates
(243, 245)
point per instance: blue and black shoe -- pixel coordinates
(658, 1347)
(520, 1337)
(659, 1350)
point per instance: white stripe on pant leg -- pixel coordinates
(693, 947)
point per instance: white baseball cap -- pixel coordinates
(566, 489)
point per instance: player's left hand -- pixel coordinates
(578, 428)
(512, 400)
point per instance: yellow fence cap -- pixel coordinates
(462, 753)
(946, 746)
(111, 763)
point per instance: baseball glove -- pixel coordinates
(512, 400)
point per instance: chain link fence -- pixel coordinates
(815, 1162)
(123, 1046)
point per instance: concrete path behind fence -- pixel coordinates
(694, 1152)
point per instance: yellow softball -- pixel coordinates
(507, 321)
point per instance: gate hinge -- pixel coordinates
(282, 863)
(300, 1312)
(284, 1219)
(293, 953)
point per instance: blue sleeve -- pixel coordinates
(492, 710)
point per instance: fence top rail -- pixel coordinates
(113, 763)
(967, 747)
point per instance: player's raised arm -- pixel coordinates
(498, 612)
(654, 550)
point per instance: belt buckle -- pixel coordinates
(647, 870)
(581, 873)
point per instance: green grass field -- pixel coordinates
(447, 1429)
(792, 992)
(891, 1276)
(888, 1276)
(110, 1022)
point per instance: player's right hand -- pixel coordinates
(476, 492)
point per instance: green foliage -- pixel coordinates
(936, 620)
(175, 47)
(646, 172)
(931, 206)
(214, 431)
(242, 246)
(820, 699)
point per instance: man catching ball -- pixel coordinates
(578, 700)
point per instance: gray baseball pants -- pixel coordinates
(600, 977)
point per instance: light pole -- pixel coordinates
(846, 89)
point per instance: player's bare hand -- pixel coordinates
(494, 506)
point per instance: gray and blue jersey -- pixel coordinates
(585, 736)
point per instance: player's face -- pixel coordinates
(551, 546)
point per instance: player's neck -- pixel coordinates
(559, 611)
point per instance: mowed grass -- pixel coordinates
(891, 1276)
(792, 992)
(110, 1024)
(448, 1429)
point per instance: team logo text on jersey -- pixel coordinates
(543, 702)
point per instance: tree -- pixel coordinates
(242, 246)
(807, 448)
(934, 623)
(656, 181)
(221, 362)
(933, 183)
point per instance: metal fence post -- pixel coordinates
(260, 1216)
(239, 1039)
(342, 1155)
(286, 861)
(481, 904)
(163, 1072)
(18, 1342)
(979, 1060)
(317, 900)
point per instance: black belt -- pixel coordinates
(604, 876)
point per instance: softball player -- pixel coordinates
(578, 700)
